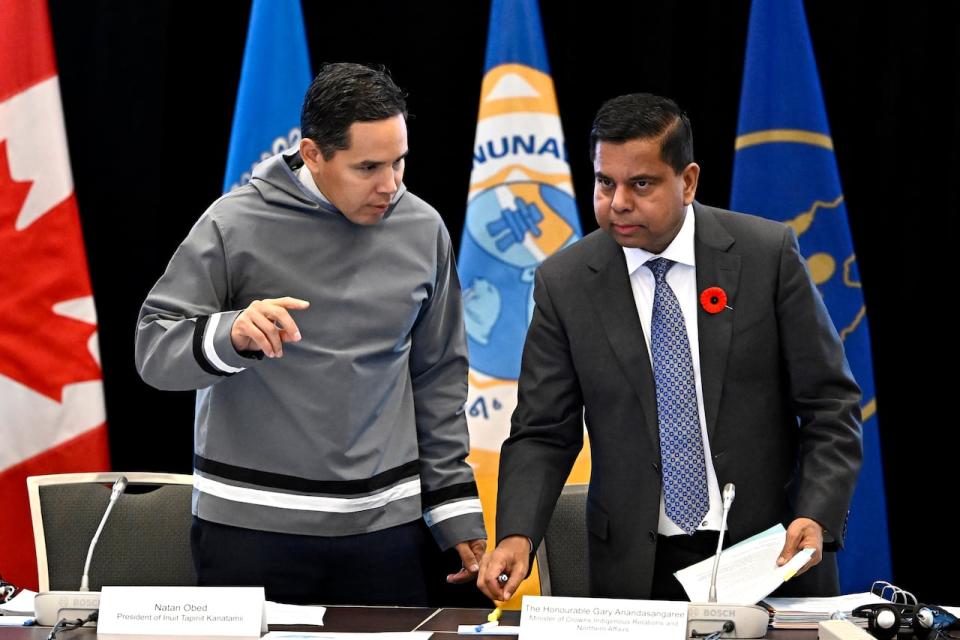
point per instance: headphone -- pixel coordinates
(929, 619)
(883, 620)
(7, 590)
(886, 620)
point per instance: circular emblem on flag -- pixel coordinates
(511, 228)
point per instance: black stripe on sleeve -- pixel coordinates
(439, 496)
(198, 329)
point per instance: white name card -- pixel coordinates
(180, 612)
(543, 618)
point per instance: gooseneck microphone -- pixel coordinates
(118, 488)
(725, 620)
(53, 606)
(729, 493)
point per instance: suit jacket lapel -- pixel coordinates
(610, 292)
(715, 268)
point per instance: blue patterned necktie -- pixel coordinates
(681, 443)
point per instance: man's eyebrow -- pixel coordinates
(377, 163)
(640, 176)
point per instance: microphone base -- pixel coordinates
(733, 620)
(52, 606)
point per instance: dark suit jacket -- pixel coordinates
(781, 405)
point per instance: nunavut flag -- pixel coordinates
(520, 210)
(52, 417)
(785, 169)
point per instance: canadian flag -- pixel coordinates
(52, 417)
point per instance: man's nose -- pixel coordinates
(620, 201)
(388, 182)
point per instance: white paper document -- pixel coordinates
(805, 613)
(19, 605)
(139, 613)
(844, 604)
(279, 613)
(551, 618)
(748, 570)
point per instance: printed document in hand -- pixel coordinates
(748, 570)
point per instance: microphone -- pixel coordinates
(725, 620)
(729, 493)
(52, 606)
(118, 488)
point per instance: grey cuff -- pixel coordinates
(457, 529)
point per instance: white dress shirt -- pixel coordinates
(682, 278)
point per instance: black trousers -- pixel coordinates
(397, 566)
(675, 553)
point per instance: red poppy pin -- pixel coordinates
(713, 300)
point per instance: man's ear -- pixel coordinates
(690, 176)
(311, 154)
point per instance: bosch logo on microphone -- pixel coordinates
(712, 612)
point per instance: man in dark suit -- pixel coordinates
(693, 344)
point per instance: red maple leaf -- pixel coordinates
(40, 266)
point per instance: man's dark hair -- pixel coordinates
(344, 93)
(644, 116)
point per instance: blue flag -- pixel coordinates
(275, 75)
(520, 210)
(785, 169)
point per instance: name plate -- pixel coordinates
(543, 618)
(181, 612)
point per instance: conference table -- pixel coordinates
(442, 622)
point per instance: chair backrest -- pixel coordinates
(145, 541)
(562, 556)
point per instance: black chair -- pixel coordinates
(562, 556)
(145, 542)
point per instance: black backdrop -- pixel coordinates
(149, 87)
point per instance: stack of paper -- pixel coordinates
(20, 605)
(805, 613)
(18, 610)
